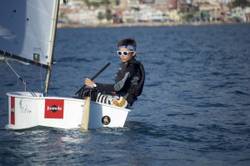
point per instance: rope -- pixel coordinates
(20, 78)
(41, 77)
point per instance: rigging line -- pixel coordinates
(20, 78)
(41, 82)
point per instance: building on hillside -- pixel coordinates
(186, 7)
(165, 5)
(145, 13)
(247, 14)
(84, 17)
(173, 16)
(160, 5)
(95, 1)
(70, 9)
(240, 15)
(149, 14)
(132, 3)
(163, 2)
(130, 16)
(121, 4)
(210, 12)
(147, 1)
(74, 4)
(172, 4)
(248, 17)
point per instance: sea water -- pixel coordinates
(194, 110)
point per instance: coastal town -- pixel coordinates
(80, 13)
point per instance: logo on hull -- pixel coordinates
(106, 120)
(54, 108)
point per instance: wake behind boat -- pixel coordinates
(27, 35)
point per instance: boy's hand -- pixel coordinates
(89, 83)
(121, 102)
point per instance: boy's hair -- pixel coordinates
(128, 43)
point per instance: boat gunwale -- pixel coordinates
(21, 94)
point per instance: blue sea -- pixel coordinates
(194, 110)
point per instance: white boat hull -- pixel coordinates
(27, 111)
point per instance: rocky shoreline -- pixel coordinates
(70, 25)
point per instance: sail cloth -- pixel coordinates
(27, 30)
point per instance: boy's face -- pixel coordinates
(125, 54)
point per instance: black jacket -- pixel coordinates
(129, 81)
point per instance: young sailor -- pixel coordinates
(129, 79)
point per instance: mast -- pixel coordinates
(51, 46)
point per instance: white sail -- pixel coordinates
(27, 30)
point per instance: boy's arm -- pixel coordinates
(130, 72)
(132, 91)
(108, 88)
(136, 84)
(102, 85)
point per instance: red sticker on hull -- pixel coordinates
(54, 108)
(12, 110)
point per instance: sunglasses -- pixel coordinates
(123, 53)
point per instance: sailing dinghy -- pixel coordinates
(27, 35)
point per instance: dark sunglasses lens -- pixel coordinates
(119, 53)
(125, 53)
